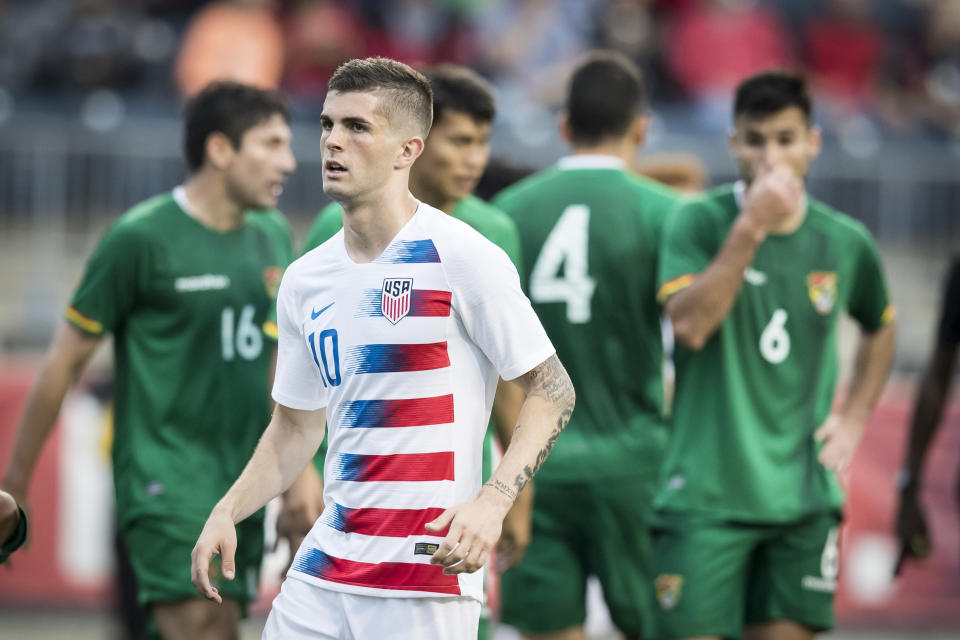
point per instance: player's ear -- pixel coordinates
(410, 150)
(563, 125)
(639, 128)
(219, 150)
(814, 141)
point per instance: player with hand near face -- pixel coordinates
(754, 276)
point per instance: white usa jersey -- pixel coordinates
(405, 353)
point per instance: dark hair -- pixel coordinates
(229, 108)
(769, 92)
(605, 94)
(457, 88)
(409, 90)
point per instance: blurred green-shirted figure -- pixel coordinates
(591, 230)
(185, 282)
(755, 276)
(452, 163)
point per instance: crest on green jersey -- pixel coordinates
(669, 586)
(822, 286)
(271, 280)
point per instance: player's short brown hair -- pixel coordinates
(457, 88)
(407, 91)
(605, 94)
(226, 107)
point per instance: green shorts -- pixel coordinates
(581, 530)
(713, 578)
(160, 548)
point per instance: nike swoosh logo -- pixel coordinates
(316, 314)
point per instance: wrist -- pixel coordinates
(747, 227)
(224, 510)
(499, 495)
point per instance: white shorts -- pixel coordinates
(302, 611)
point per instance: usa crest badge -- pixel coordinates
(395, 298)
(669, 586)
(822, 287)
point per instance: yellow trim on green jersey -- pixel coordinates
(81, 321)
(670, 287)
(271, 330)
(888, 315)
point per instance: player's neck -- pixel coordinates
(422, 192)
(624, 149)
(210, 204)
(371, 225)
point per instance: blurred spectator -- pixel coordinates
(94, 47)
(320, 34)
(716, 43)
(942, 78)
(529, 45)
(237, 40)
(844, 51)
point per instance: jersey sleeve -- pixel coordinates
(869, 303)
(684, 250)
(327, 224)
(297, 383)
(108, 290)
(496, 314)
(949, 331)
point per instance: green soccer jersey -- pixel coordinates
(748, 403)
(492, 223)
(591, 232)
(188, 307)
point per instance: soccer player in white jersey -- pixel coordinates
(393, 333)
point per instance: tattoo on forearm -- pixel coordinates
(503, 488)
(552, 379)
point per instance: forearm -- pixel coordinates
(507, 405)
(872, 368)
(543, 416)
(931, 398)
(37, 421)
(285, 448)
(697, 310)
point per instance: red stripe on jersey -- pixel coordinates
(391, 523)
(430, 303)
(397, 467)
(404, 576)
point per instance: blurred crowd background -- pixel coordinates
(91, 91)
(90, 99)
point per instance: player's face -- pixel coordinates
(454, 158)
(785, 138)
(359, 147)
(259, 168)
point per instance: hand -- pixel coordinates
(840, 437)
(772, 198)
(9, 516)
(516, 531)
(474, 529)
(302, 505)
(911, 529)
(219, 536)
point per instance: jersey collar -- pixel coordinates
(740, 191)
(591, 161)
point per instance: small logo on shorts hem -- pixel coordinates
(818, 583)
(425, 548)
(669, 586)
